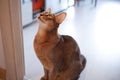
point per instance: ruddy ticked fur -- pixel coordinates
(59, 54)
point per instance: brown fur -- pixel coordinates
(2, 74)
(59, 54)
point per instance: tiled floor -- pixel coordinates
(96, 30)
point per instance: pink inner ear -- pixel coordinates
(60, 17)
(49, 10)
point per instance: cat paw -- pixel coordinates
(43, 78)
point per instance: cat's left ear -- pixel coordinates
(60, 17)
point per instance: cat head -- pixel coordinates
(49, 22)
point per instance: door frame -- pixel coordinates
(12, 38)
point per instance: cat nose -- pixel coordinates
(41, 14)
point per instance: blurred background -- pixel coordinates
(32, 8)
(94, 24)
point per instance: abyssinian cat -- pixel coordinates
(59, 54)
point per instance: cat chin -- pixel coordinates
(40, 22)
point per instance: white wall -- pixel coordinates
(27, 13)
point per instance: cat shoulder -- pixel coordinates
(68, 38)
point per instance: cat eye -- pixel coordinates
(49, 16)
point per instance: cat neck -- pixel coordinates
(51, 37)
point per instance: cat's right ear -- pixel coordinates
(49, 10)
(60, 17)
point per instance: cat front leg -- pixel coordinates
(45, 77)
(53, 74)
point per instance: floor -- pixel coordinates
(97, 32)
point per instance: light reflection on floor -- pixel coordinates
(107, 28)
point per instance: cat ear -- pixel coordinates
(60, 17)
(49, 10)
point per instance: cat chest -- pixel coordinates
(46, 62)
(43, 55)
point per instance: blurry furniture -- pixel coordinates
(76, 2)
(94, 2)
(37, 7)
